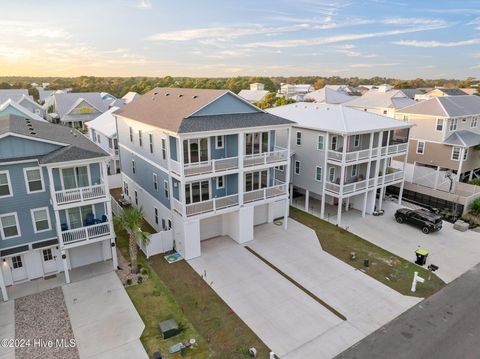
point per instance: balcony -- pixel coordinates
(279, 154)
(356, 156)
(87, 233)
(78, 195)
(206, 167)
(279, 189)
(349, 188)
(212, 205)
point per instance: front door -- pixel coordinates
(48, 260)
(17, 266)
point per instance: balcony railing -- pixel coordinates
(356, 156)
(74, 195)
(86, 233)
(205, 167)
(349, 188)
(279, 154)
(279, 189)
(211, 205)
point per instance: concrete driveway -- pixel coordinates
(453, 251)
(7, 328)
(104, 320)
(289, 321)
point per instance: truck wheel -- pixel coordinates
(426, 230)
(399, 219)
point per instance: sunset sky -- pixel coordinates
(399, 38)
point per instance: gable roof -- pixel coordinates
(446, 106)
(21, 109)
(253, 95)
(130, 96)
(75, 145)
(463, 138)
(30, 100)
(12, 94)
(65, 101)
(375, 98)
(105, 123)
(328, 95)
(336, 118)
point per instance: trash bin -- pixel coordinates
(422, 255)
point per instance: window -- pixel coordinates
(384, 112)
(17, 262)
(47, 254)
(195, 150)
(220, 182)
(169, 222)
(299, 138)
(356, 140)
(453, 124)
(110, 143)
(133, 166)
(197, 192)
(164, 149)
(439, 125)
(280, 168)
(465, 154)
(474, 122)
(218, 142)
(156, 215)
(165, 189)
(420, 147)
(331, 174)
(125, 188)
(256, 180)
(9, 226)
(155, 182)
(5, 184)
(40, 219)
(256, 142)
(98, 138)
(320, 143)
(150, 138)
(131, 134)
(333, 145)
(164, 224)
(354, 170)
(455, 153)
(33, 179)
(140, 142)
(136, 197)
(318, 173)
(75, 177)
(297, 167)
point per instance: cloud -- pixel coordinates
(475, 22)
(143, 4)
(371, 65)
(33, 30)
(431, 44)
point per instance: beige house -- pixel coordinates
(443, 143)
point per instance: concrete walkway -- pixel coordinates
(7, 328)
(289, 321)
(104, 320)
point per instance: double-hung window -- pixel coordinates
(318, 173)
(320, 143)
(33, 180)
(9, 226)
(140, 141)
(219, 142)
(40, 219)
(356, 140)
(439, 125)
(156, 215)
(297, 167)
(456, 153)
(331, 174)
(354, 170)
(150, 138)
(420, 147)
(453, 124)
(164, 149)
(474, 122)
(299, 138)
(5, 184)
(131, 133)
(155, 182)
(220, 182)
(165, 189)
(133, 166)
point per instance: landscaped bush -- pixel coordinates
(475, 207)
(139, 279)
(475, 182)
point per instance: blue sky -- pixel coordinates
(398, 38)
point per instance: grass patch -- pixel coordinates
(386, 267)
(227, 335)
(155, 303)
(298, 285)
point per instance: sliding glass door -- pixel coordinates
(77, 216)
(256, 142)
(75, 177)
(195, 150)
(197, 192)
(256, 180)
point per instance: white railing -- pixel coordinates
(349, 188)
(394, 149)
(279, 189)
(279, 154)
(391, 177)
(80, 194)
(211, 205)
(86, 233)
(355, 156)
(177, 206)
(217, 165)
(176, 167)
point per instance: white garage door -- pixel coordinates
(260, 214)
(210, 227)
(88, 254)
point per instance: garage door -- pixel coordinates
(260, 214)
(88, 254)
(210, 227)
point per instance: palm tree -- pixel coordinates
(131, 220)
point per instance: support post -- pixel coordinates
(287, 179)
(324, 175)
(3, 289)
(114, 253)
(65, 266)
(291, 194)
(307, 194)
(367, 175)
(241, 176)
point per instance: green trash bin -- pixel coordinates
(422, 255)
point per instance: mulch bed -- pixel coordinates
(125, 274)
(42, 325)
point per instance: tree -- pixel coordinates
(131, 220)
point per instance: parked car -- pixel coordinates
(428, 221)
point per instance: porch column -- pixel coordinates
(377, 163)
(324, 174)
(342, 181)
(287, 179)
(291, 193)
(402, 185)
(367, 175)
(58, 226)
(384, 172)
(307, 194)
(437, 173)
(241, 177)
(347, 204)
(114, 253)
(470, 177)
(182, 178)
(339, 211)
(65, 266)
(460, 166)
(3, 289)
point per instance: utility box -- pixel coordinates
(169, 328)
(422, 255)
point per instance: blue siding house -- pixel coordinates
(55, 210)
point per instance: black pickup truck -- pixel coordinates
(426, 220)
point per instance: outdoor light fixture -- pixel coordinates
(112, 244)
(4, 260)
(64, 256)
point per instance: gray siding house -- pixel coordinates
(55, 210)
(202, 164)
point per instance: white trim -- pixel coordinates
(436, 124)
(17, 224)
(299, 167)
(423, 148)
(216, 142)
(223, 182)
(316, 173)
(9, 184)
(33, 138)
(355, 139)
(459, 153)
(336, 143)
(150, 142)
(26, 179)
(34, 223)
(451, 124)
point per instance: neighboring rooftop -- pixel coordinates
(130, 96)
(75, 145)
(12, 94)
(411, 93)
(253, 95)
(463, 138)
(446, 106)
(449, 91)
(65, 102)
(376, 98)
(14, 108)
(336, 118)
(105, 123)
(328, 95)
(177, 110)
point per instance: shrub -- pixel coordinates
(129, 281)
(139, 279)
(475, 182)
(475, 207)
(144, 271)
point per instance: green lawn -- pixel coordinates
(385, 267)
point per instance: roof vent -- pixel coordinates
(180, 95)
(155, 93)
(33, 133)
(167, 94)
(194, 96)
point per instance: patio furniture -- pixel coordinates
(64, 227)
(89, 219)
